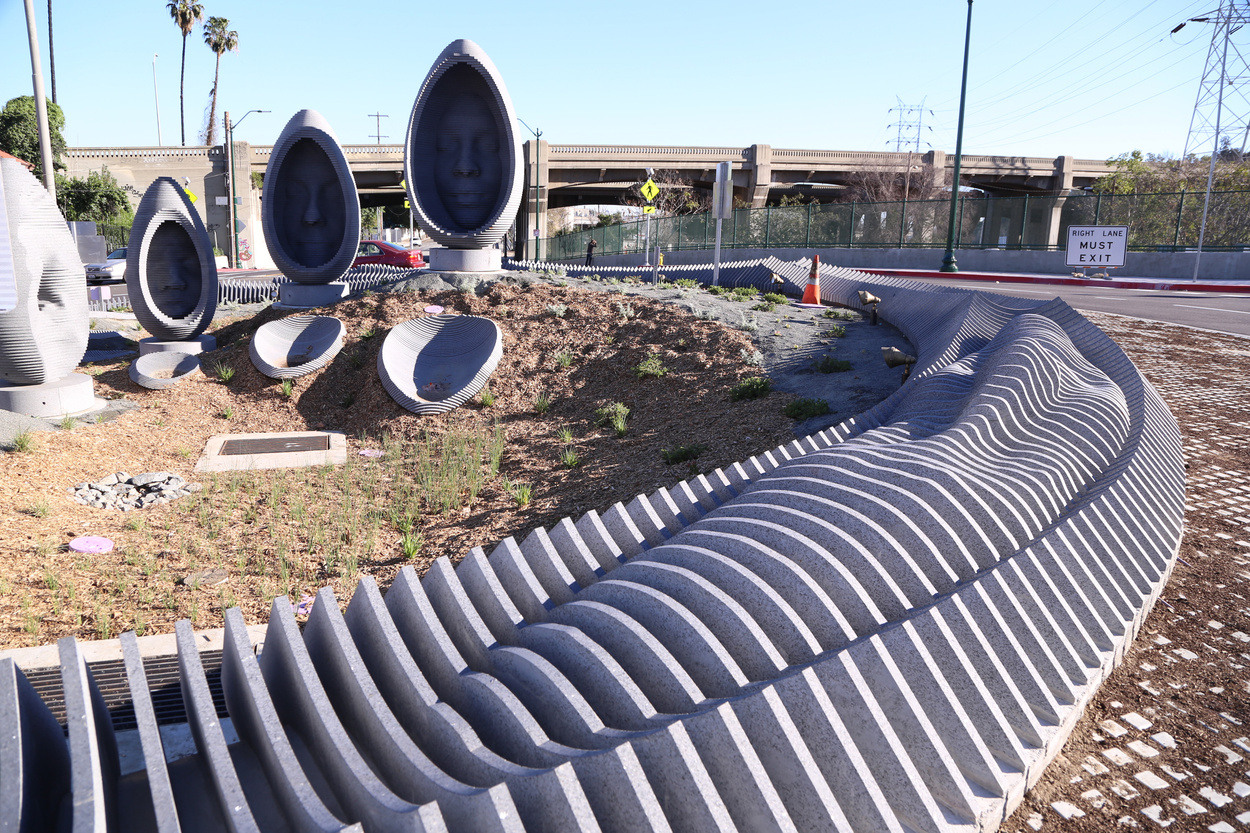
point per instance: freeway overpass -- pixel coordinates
(579, 174)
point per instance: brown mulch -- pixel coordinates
(291, 532)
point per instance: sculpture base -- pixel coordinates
(310, 295)
(466, 260)
(192, 347)
(72, 394)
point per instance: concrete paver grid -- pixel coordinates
(1166, 743)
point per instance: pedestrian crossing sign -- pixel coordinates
(649, 190)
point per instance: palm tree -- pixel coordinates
(186, 13)
(220, 39)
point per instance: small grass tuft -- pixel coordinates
(752, 387)
(24, 441)
(227, 412)
(411, 543)
(542, 404)
(564, 358)
(223, 372)
(558, 310)
(615, 415)
(569, 459)
(67, 423)
(650, 366)
(287, 388)
(565, 435)
(774, 298)
(751, 358)
(828, 364)
(488, 398)
(681, 453)
(806, 408)
(520, 492)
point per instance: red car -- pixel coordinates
(379, 251)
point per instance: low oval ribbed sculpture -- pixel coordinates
(161, 370)
(310, 209)
(891, 625)
(171, 274)
(432, 365)
(293, 347)
(44, 336)
(462, 159)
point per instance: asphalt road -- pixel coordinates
(1225, 312)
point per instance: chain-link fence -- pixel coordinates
(1156, 222)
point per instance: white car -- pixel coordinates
(112, 270)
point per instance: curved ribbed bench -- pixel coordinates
(296, 346)
(431, 365)
(892, 624)
(160, 370)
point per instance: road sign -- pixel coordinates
(1097, 245)
(649, 190)
(648, 209)
(723, 192)
(190, 195)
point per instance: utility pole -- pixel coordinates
(379, 135)
(1223, 101)
(51, 53)
(41, 104)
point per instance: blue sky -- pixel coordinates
(1089, 78)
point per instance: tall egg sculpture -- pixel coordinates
(44, 335)
(462, 159)
(309, 206)
(171, 275)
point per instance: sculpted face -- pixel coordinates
(173, 268)
(312, 211)
(468, 171)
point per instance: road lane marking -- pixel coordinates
(1215, 309)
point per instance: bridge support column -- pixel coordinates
(761, 175)
(537, 159)
(1064, 169)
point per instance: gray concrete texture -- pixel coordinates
(171, 275)
(892, 624)
(432, 365)
(296, 346)
(164, 369)
(310, 209)
(462, 154)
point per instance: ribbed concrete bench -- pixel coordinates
(296, 346)
(432, 365)
(889, 625)
(161, 370)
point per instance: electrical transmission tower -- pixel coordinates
(910, 117)
(1222, 108)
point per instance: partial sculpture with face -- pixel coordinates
(461, 155)
(170, 273)
(44, 336)
(310, 209)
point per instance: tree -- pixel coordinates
(221, 39)
(19, 132)
(99, 197)
(186, 13)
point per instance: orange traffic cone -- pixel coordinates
(811, 295)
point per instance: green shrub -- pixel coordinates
(564, 358)
(752, 387)
(542, 404)
(807, 408)
(558, 310)
(842, 314)
(764, 306)
(488, 398)
(742, 293)
(569, 459)
(837, 331)
(687, 283)
(828, 364)
(24, 441)
(752, 358)
(614, 415)
(650, 366)
(681, 453)
(775, 298)
(716, 290)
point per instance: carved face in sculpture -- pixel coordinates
(173, 268)
(312, 213)
(44, 336)
(468, 172)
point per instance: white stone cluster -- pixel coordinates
(122, 491)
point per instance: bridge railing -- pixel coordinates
(1156, 222)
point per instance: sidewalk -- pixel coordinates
(1066, 279)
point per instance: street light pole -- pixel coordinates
(156, 92)
(234, 216)
(538, 176)
(948, 260)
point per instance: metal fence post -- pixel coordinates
(851, 242)
(808, 244)
(1180, 209)
(959, 227)
(1024, 222)
(768, 214)
(1097, 208)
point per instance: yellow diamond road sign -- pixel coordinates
(649, 190)
(648, 209)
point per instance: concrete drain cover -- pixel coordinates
(277, 444)
(240, 452)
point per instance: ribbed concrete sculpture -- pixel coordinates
(310, 211)
(432, 365)
(171, 275)
(462, 159)
(891, 625)
(163, 369)
(43, 334)
(296, 346)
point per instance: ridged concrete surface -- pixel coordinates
(292, 347)
(432, 365)
(890, 625)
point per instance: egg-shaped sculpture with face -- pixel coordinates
(171, 274)
(462, 154)
(44, 335)
(309, 206)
